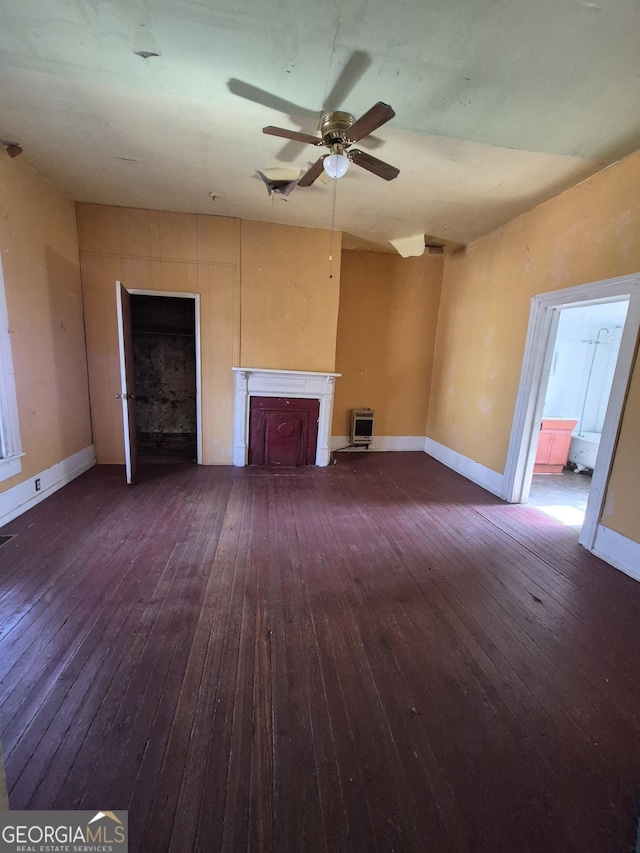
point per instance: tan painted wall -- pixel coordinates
(622, 505)
(289, 297)
(39, 246)
(277, 308)
(386, 335)
(587, 234)
(174, 252)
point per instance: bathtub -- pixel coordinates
(583, 449)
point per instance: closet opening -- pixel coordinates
(165, 366)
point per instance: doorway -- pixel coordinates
(584, 355)
(165, 374)
(164, 349)
(537, 363)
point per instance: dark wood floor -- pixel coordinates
(374, 657)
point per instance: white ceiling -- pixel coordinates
(499, 104)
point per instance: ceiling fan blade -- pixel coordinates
(372, 164)
(314, 172)
(292, 134)
(356, 65)
(370, 121)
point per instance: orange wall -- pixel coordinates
(39, 246)
(386, 333)
(289, 297)
(587, 234)
(266, 301)
(158, 251)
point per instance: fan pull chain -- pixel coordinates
(333, 225)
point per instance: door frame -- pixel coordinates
(543, 320)
(134, 291)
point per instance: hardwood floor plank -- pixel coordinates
(369, 657)
(92, 712)
(398, 830)
(186, 789)
(300, 709)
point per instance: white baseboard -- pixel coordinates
(20, 498)
(474, 471)
(618, 550)
(381, 443)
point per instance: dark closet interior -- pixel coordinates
(164, 335)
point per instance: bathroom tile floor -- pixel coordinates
(562, 496)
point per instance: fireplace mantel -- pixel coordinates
(264, 382)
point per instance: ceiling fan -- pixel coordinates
(339, 131)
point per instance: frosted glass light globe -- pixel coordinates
(335, 165)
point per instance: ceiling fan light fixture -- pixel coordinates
(339, 131)
(336, 163)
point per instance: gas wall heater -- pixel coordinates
(362, 426)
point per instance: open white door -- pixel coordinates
(127, 380)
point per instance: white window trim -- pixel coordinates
(10, 445)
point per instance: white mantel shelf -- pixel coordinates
(265, 382)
